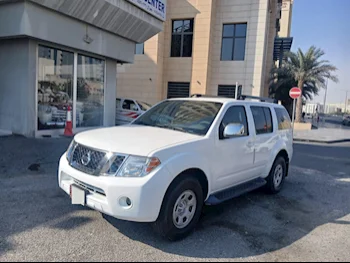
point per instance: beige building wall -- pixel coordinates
(147, 79)
(286, 18)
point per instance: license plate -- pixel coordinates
(78, 195)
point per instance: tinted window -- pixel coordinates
(182, 38)
(140, 49)
(235, 114)
(129, 105)
(268, 116)
(284, 122)
(181, 115)
(233, 42)
(262, 120)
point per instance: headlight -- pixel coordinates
(136, 166)
(70, 150)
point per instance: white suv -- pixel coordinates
(176, 157)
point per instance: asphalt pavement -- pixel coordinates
(308, 221)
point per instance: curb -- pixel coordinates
(319, 141)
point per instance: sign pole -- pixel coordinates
(293, 113)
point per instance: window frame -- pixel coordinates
(182, 34)
(234, 37)
(272, 124)
(247, 123)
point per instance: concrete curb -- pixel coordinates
(320, 141)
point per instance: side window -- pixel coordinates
(284, 121)
(129, 105)
(268, 116)
(235, 114)
(262, 119)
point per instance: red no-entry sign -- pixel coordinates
(295, 93)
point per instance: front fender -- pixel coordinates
(185, 161)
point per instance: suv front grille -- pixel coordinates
(87, 160)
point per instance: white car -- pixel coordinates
(176, 157)
(128, 110)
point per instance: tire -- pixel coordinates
(277, 176)
(166, 225)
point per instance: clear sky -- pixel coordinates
(325, 24)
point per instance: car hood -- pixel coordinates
(132, 139)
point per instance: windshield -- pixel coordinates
(144, 106)
(194, 117)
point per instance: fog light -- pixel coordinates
(125, 202)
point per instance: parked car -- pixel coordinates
(128, 110)
(346, 120)
(176, 157)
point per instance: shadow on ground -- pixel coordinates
(257, 223)
(251, 225)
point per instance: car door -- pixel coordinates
(264, 136)
(233, 157)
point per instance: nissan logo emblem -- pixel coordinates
(86, 159)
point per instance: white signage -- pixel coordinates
(156, 8)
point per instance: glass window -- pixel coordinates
(235, 114)
(140, 49)
(144, 106)
(262, 120)
(185, 116)
(268, 117)
(118, 103)
(182, 38)
(130, 105)
(284, 121)
(233, 42)
(90, 91)
(55, 87)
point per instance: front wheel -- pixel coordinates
(277, 176)
(181, 209)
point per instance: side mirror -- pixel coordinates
(233, 130)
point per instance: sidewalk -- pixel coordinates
(323, 135)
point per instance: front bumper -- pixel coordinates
(104, 193)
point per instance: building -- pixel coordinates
(207, 47)
(60, 53)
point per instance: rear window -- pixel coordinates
(284, 122)
(262, 119)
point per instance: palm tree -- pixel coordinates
(281, 84)
(308, 72)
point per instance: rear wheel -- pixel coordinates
(181, 209)
(277, 176)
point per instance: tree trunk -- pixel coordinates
(299, 109)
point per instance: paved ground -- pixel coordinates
(327, 135)
(308, 221)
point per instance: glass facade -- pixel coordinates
(90, 92)
(56, 89)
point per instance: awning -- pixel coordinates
(282, 45)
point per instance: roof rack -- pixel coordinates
(241, 97)
(262, 99)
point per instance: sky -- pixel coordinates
(325, 24)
